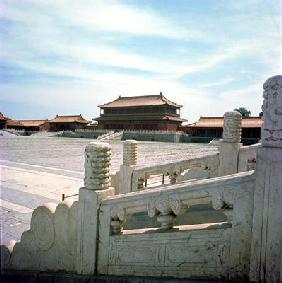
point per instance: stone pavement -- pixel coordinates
(36, 170)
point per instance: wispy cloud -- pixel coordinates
(107, 47)
(100, 15)
(224, 81)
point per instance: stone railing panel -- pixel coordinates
(180, 250)
(51, 242)
(196, 168)
(247, 157)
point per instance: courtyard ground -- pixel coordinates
(37, 170)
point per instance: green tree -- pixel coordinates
(244, 111)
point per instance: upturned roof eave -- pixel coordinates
(80, 122)
(158, 99)
(107, 105)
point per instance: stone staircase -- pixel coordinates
(111, 136)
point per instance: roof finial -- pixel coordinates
(161, 94)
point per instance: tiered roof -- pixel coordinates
(145, 100)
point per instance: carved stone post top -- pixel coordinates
(97, 146)
(130, 142)
(130, 152)
(233, 114)
(271, 131)
(165, 205)
(97, 166)
(232, 127)
(274, 82)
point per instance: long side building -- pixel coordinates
(148, 112)
(207, 128)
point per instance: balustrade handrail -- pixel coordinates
(247, 154)
(250, 147)
(208, 163)
(180, 163)
(195, 192)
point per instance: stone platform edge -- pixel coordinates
(62, 277)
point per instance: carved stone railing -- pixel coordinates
(49, 244)
(87, 237)
(232, 158)
(195, 168)
(247, 157)
(218, 250)
(266, 259)
(154, 131)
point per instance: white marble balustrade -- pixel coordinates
(231, 194)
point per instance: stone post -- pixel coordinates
(266, 252)
(129, 163)
(230, 145)
(96, 188)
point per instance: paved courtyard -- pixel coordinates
(36, 170)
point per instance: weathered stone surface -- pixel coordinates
(271, 133)
(232, 127)
(266, 261)
(170, 254)
(228, 158)
(130, 152)
(55, 277)
(97, 187)
(42, 226)
(97, 166)
(247, 157)
(118, 217)
(50, 242)
(230, 145)
(166, 209)
(89, 202)
(198, 168)
(177, 252)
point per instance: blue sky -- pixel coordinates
(66, 56)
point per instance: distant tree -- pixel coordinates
(244, 111)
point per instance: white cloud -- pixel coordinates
(98, 15)
(84, 96)
(45, 34)
(41, 29)
(221, 82)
